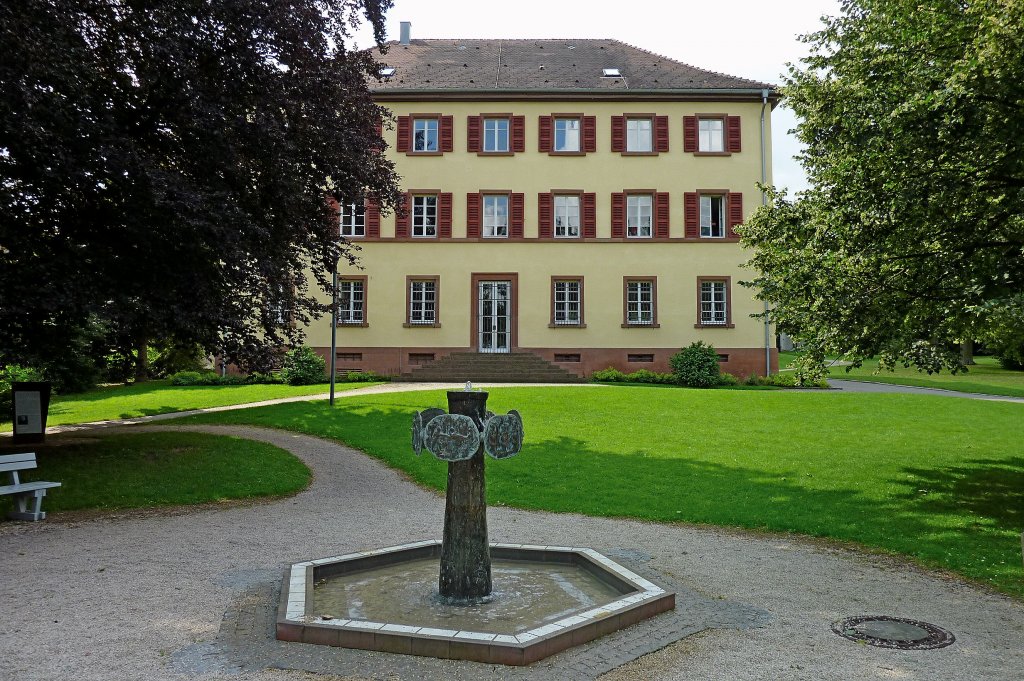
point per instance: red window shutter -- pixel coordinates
(404, 134)
(661, 134)
(618, 215)
(545, 222)
(589, 134)
(544, 138)
(473, 124)
(447, 133)
(444, 215)
(618, 133)
(661, 215)
(473, 215)
(732, 134)
(516, 217)
(590, 215)
(372, 219)
(689, 134)
(735, 213)
(518, 134)
(691, 215)
(403, 217)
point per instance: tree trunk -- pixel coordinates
(142, 358)
(967, 353)
(465, 552)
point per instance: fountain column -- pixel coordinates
(465, 553)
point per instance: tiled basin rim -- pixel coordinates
(640, 600)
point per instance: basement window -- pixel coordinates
(421, 357)
(572, 357)
(640, 358)
(350, 356)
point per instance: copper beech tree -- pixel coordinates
(164, 168)
(911, 237)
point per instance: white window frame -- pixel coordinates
(495, 216)
(424, 216)
(572, 135)
(714, 303)
(568, 302)
(638, 139)
(639, 216)
(566, 216)
(640, 303)
(351, 301)
(708, 228)
(422, 302)
(496, 130)
(425, 135)
(352, 220)
(711, 135)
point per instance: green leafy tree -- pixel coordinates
(912, 114)
(164, 169)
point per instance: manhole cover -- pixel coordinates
(893, 632)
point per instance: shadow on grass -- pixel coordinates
(990, 490)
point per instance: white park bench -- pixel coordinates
(23, 491)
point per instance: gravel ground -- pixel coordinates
(131, 595)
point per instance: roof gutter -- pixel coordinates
(755, 94)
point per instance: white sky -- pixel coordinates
(748, 38)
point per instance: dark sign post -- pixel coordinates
(461, 437)
(31, 405)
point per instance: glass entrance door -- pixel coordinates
(494, 316)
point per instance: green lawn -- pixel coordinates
(160, 397)
(108, 471)
(937, 479)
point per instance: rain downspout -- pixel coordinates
(764, 202)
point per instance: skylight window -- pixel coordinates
(387, 71)
(610, 73)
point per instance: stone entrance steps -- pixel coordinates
(513, 367)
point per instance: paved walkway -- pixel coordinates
(187, 593)
(872, 387)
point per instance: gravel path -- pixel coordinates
(138, 595)
(871, 387)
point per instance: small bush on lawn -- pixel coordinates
(362, 377)
(608, 375)
(696, 366)
(261, 378)
(727, 379)
(194, 378)
(302, 366)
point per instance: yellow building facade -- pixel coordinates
(587, 221)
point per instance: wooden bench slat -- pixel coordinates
(27, 487)
(17, 462)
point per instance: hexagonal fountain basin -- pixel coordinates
(546, 599)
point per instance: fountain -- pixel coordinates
(547, 598)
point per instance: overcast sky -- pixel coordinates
(748, 38)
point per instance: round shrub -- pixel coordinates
(696, 366)
(302, 366)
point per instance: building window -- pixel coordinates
(496, 134)
(424, 216)
(422, 301)
(496, 216)
(713, 301)
(712, 217)
(567, 302)
(567, 134)
(640, 303)
(352, 301)
(638, 215)
(567, 216)
(424, 134)
(353, 219)
(711, 135)
(639, 135)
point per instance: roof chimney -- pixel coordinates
(406, 33)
